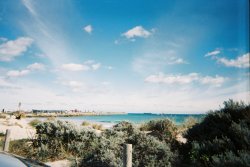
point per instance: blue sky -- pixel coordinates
(132, 56)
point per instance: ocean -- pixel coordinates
(132, 117)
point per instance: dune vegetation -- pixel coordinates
(220, 139)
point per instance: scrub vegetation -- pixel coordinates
(221, 138)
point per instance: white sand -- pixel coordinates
(61, 163)
(181, 139)
(20, 129)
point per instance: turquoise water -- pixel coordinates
(135, 118)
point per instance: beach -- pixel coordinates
(20, 129)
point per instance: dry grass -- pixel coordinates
(3, 116)
(85, 123)
(97, 126)
(34, 122)
(52, 118)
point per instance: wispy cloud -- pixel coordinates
(30, 68)
(86, 66)
(88, 29)
(14, 48)
(137, 31)
(172, 79)
(75, 67)
(4, 84)
(73, 85)
(109, 67)
(213, 53)
(17, 73)
(156, 61)
(46, 32)
(96, 66)
(239, 62)
(216, 81)
(36, 66)
(28, 4)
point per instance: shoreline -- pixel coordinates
(21, 129)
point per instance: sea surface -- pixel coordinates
(132, 117)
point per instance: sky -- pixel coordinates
(157, 56)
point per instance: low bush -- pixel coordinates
(58, 140)
(22, 147)
(147, 150)
(163, 129)
(221, 138)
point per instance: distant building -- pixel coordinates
(47, 111)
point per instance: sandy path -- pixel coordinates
(61, 163)
(20, 129)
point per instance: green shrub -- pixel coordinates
(108, 151)
(163, 129)
(221, 138)
(147, 150)
(125, 127)
(22, 147)
(58, 140)
(34, 122)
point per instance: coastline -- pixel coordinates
(21, 129)
(73, 114)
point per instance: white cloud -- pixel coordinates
(89, 62)
(5, 84)
(17, 73)
(13, 48)
(75, 86)
(75, 67)
(172, 79)
(109, 67)
(30, 68)
(216, 81)
(137, 31)
(96, 66)
(177, 61)
(86, 66)
(105, 83)
(239, 62)
(152, 62)
(213, 53)
(36, 66)
(88, 29)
